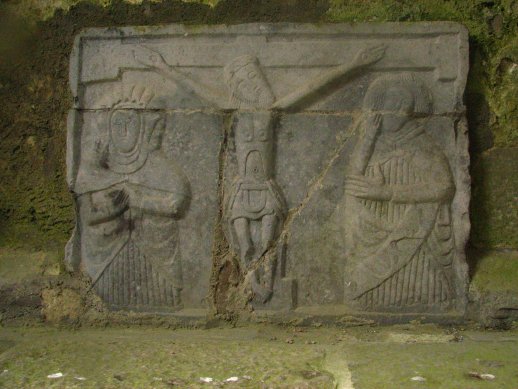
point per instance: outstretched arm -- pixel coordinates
(314, 89)
(154, 60)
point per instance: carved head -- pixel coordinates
(132, 131)
(398, 98)
(125, 129)
(247, 83)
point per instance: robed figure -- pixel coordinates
(398, 194)
(128, 200)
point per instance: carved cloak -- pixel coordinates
(401, 250)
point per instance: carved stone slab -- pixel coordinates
(333, 157)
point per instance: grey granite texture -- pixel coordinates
(334, 158)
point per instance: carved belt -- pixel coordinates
(253, 196)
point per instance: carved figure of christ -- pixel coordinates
(255, 195)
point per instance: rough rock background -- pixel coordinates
(36, 210)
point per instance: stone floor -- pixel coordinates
(405, 356)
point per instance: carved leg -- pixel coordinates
(269, 224)
(242, 228)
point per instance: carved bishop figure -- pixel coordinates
(398, 195)
(128, 202)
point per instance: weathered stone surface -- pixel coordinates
(341, 153)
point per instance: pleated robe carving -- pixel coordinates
(133, 251)
(401, 250)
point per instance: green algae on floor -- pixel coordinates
(442, 365)
(146, 358)
(260, 356)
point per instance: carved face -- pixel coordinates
(125, 127)
(249, 87)
(396, 109)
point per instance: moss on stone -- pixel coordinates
(504, 103)
(151, 358)
(470, 13)
(445, 365)
(496, 271)
(494, 209)
(22, 266)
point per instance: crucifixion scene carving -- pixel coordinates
(259, 194)
(332, 173)
(255, 197)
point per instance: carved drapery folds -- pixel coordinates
(398, 201)
(333, 158)
(128, 201)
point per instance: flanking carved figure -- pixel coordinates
(255, 199)
(128, 204)
(398, 193)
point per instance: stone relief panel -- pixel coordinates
(333, 158)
